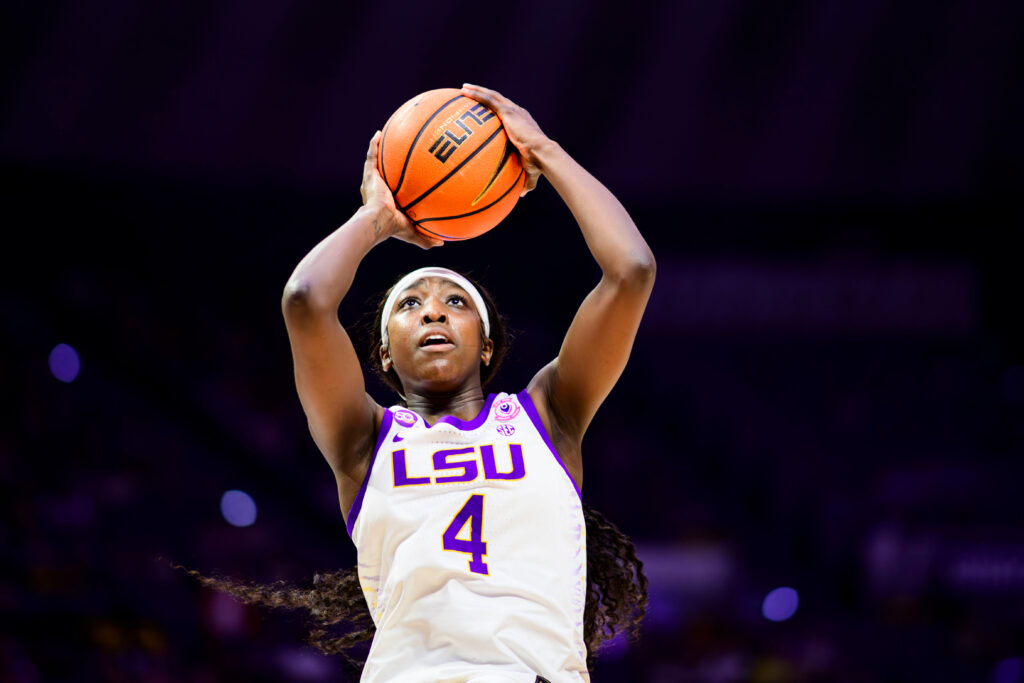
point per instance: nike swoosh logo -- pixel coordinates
(397, 438)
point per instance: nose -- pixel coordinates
(433, 312)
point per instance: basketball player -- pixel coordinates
(474, 554)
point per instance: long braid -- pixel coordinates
(334, 601)
(616, 595)
(616, 585)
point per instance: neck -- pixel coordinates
(465, 404)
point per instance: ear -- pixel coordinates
(385, 358)
(487, 351)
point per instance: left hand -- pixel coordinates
(521, 129)
(377, 197)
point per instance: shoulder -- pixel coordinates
(352, 470)
(541, 392)
(356, 459)
(563, 437)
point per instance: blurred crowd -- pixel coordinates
(845, 427)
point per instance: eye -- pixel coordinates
(456, 298)
(407, 301)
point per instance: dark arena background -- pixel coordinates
(817, 445)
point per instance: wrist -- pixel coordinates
(378, 219)
(545, 152)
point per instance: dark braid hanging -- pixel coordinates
(616, 585)
(616, 595)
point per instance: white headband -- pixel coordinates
(432, 271)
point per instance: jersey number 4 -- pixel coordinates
(472, 513)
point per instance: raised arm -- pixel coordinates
(599, 340)
(342, 417)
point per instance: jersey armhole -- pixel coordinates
(357, 504)
(531, 410)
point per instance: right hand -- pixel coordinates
(377, 197)
(522, 130)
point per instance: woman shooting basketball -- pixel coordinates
(476, 558)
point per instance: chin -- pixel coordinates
(440, 377)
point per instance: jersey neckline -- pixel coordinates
(464, 425)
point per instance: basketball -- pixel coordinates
(449, 165)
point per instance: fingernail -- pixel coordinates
(468, 85)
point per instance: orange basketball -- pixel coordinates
(449, 165)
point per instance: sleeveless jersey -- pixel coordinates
(471, 550)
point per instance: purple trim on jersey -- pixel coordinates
(357, 504)
(464, 425)
(531, 410)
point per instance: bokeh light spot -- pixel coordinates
(1009, 670)
(238, 508)
(304, 665)
(64, 363)
(780, 604)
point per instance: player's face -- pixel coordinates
(435, 342)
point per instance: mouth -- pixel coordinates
(436, 342)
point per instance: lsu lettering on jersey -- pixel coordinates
(472, 550)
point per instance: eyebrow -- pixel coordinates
(422, 281)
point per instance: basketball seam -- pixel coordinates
(454, 170)
(509, 148)
(412, 146)
(380, 153)
(464, 215)
(447, 238)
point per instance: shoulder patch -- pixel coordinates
(506, 409)
(404, 417)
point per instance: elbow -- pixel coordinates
(295, 296)
(299, 299)
(646, 267)
(636, 272)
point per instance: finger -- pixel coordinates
(479, 97)
(532, 176)
(412, 234)
(428, 242)
(490, 97)
(371, 152)
(493, 94)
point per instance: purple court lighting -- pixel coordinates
(64, 363)
(780, 604)
(1010, 670)
(238, 508)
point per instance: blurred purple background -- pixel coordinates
(817, 445)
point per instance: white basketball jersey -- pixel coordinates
(472, 550)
